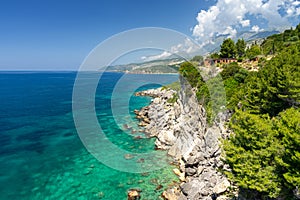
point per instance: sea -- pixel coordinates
(42, 154)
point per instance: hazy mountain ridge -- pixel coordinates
(155, 66)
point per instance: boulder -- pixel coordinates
(190, 171)
(193, 188)
(222, 187)
(167, 137)
(169, 196)
(192, 160)
(172, 194)
(212, 141)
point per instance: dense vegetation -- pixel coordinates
(264, 149)
(237, 50)
(272, 45)
(209, 93)
(278, 42)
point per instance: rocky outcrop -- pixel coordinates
(182, 130)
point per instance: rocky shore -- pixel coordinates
(179, 124)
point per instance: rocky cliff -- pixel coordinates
(181, 128)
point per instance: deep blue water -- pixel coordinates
(42, 156)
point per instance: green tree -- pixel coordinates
(197, 59)
(251, 153)
(228, 49)
(240, 47)
(276, 86)
(264, 153)
(214, 56)
(288, 127)
(230, 70)
(190, 72)
(298, 28)
(253, 51)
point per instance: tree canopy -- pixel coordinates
(240, 47)
(228, 49)
(264, 151)
(197, 58)
(253, 51)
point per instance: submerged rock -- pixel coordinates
(133, 194)
(128, 156)
(100, 195)
(159, 187)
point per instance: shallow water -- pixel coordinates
(42, 156)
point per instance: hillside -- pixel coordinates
(263, 151)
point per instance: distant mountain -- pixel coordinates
(157, 66)
(263, 34)
(246, 35)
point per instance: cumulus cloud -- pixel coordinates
(229, 31)
(256, 29)
(226, 17)
(296, 3)
(292, 8)
(187, 47)
(245, 23)
(161, 56)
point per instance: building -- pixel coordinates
(225, 60)
(209, 62)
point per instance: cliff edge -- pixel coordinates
(181, 128)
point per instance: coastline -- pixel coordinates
(144, 73)
(179, 126)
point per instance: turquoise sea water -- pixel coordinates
(42, 156)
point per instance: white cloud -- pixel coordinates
(298, 11)
(292, 8)
(256, 29)
(227, 16)
(296, 3)
(163, 55)
(187, 47)
(205, 18)
(290, 11)
(229, 31)
(245, 23)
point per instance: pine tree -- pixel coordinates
(288, 126)
(240, 47)
(253, 51)
(228, 49)
(251, 153)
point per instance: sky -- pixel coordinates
(59, 34)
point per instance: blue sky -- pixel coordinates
(59, 34)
